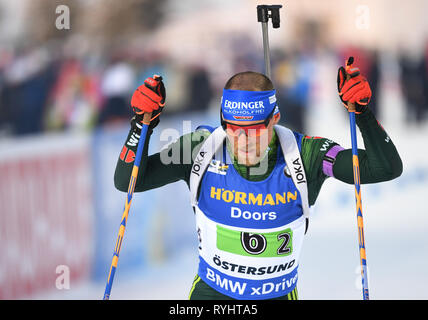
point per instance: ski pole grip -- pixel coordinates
(262, 13)
(351, 105)
(147, 118)
(349, 62)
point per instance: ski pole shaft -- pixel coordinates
(131, 187)
(358, 201)
(264, 13)
(266, 51)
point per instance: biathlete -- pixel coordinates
(252, 181)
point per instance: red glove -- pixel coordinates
(149, 96)
(353, 87)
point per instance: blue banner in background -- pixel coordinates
(160, 222)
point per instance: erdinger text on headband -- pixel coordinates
(241, 105)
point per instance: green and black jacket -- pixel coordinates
(379, 161)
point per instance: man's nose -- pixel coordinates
(244, 140)
(242, 137)
(239, 132)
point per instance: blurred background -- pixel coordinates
(67, 73)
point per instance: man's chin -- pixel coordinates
(247, 158)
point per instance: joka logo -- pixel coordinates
(298, 171)
(198, 162)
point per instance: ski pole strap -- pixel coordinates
(329, 159)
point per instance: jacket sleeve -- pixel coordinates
(171, 164)
(379, 161)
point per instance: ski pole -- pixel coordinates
(131, 187)
(359, 206)
(264, 12)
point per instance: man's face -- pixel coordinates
(250, 143)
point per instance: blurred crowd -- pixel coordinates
(44, 90)
(41, 91)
